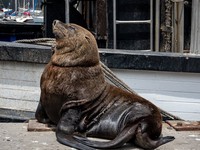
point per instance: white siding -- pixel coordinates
(19, 85)
(177, 93)
(19, 73)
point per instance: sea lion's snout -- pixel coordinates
(55, 22)
(61, 30)
(58, 28)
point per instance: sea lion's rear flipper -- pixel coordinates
(68, 140)
(143, 140)
(165, 139)
(66, 128)
(123, 137)
(147, 143)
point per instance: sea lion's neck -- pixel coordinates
(73, 60)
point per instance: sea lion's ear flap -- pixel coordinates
(87, 38)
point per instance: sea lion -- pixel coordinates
(76, 97)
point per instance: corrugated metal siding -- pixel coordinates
(177, 93)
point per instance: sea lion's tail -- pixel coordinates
(120, 139)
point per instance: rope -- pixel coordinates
(114, 79)
(108, 73)
(119, 83)
(39, 41)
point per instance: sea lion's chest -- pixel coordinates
(57, 87)
(59, 81)
(62, 84)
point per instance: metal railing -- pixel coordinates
(115, 22)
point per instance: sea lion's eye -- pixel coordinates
(71, 28)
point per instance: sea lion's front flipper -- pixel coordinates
(66, 128)
(123, 137)
(41, 115)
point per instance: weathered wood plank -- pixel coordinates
(184, 125)
(34, 125)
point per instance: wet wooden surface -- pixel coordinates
(185, 125)
(34, 125)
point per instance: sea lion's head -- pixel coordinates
(75, 46)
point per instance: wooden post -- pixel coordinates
(195, 32)
(178, 26)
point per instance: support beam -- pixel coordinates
(178, 26)
(67, 11)
(157, 26)
(195, 32)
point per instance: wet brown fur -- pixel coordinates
(73, 87)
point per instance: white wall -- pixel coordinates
(19, 85)
(177, 93)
